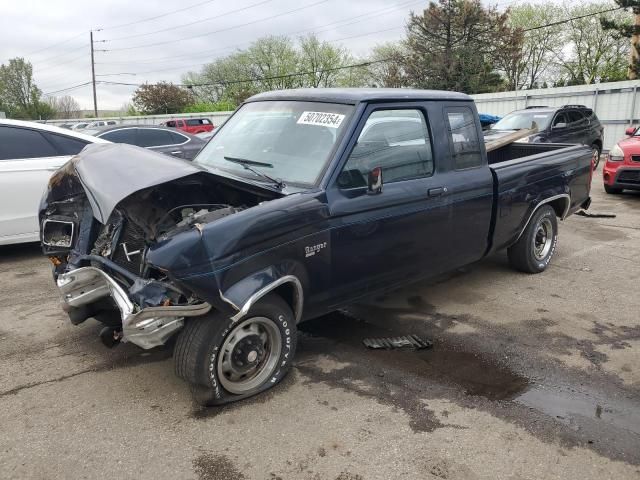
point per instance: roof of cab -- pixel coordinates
(356, 95)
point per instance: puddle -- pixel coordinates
(573, 407)
(475, 375)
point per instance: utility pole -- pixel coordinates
(635, 44)
(93, 77)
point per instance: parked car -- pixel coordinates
(65, 125)
(190, 125)
(298, 205)
(29, 153)
(487, 120)
(79, 125)
(575, 124)
(621, 170)
(101, 123)
(160, 139)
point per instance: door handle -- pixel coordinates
(437, 191)
(176, 152)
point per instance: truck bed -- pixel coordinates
(526, 175)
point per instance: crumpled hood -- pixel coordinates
(111, 172)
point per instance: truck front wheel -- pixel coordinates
(226, 361)
(537, 244)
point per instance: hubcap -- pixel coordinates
(595, 155)
(249, 355)
(543, 239)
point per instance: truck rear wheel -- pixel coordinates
(537, 244)
(226, 361)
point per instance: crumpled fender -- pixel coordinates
(242, 294)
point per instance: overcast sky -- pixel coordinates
(54, 35)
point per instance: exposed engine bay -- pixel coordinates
(75, 234)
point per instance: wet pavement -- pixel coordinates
(529, 377)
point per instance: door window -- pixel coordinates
(576, 119)
(560, 118)
(154, 137)
(17, 143)
(397, 141)
(126, 135)
(464, 138)
(66, 145)
(177, 139)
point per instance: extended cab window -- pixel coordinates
(397, 141)
(464, 138)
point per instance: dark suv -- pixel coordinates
(567, 124)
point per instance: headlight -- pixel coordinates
(616, 154)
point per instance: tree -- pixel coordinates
(624, 29)
(539, 47)
(161, 98)
(593, 52)
(323, 59)
(453, 45)
(388, 66)
(65, 107)
(273, 60)
(19, 95)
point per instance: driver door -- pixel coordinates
(382, 239)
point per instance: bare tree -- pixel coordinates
(65, 107)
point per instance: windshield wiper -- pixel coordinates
(247, 164)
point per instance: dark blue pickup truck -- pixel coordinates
(302, 202)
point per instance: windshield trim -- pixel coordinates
(317, 182)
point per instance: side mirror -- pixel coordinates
(374, 181)
(559, 125)
(629, 132)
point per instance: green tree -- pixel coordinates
(388, 66)
(624, 29)
(539, 47)
(323, 59)
(19, 95)
(592, 51)
(453, 45)
(161, 98)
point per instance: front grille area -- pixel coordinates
(635, 158)
(130, 249)
(629, 176)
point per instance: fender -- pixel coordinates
(245, 293)
(567, 204)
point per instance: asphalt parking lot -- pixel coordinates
(530, 377)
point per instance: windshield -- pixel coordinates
(287, 140)
(519, 120)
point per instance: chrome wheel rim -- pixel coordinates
(595, 156)
(543, 239)
(249, 355)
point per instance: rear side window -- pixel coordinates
(397, 141)
(575, 118)
(127, 135)
(464, 138)
(194, 122)
(171, 123)
(66, 145)
(17, 143)
(176, 138)
(154, 137)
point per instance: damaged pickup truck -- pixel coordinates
(302, 202)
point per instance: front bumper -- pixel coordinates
(621, 175)
(147, 327)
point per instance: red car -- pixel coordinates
(191, 125)
(621, 171)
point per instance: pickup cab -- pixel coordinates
(302, 202)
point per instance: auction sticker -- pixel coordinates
(323, 119)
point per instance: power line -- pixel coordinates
(223, 83)
(567, 20)
(54, 45)
(221, 30)
(190, 23)
(63, 54)
(48, 94)
(320, 29)
(113, 27)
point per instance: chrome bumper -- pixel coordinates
(148, 327)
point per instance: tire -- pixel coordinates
(596, 151)
(537, 244)
(226, 361)
(612, 190)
